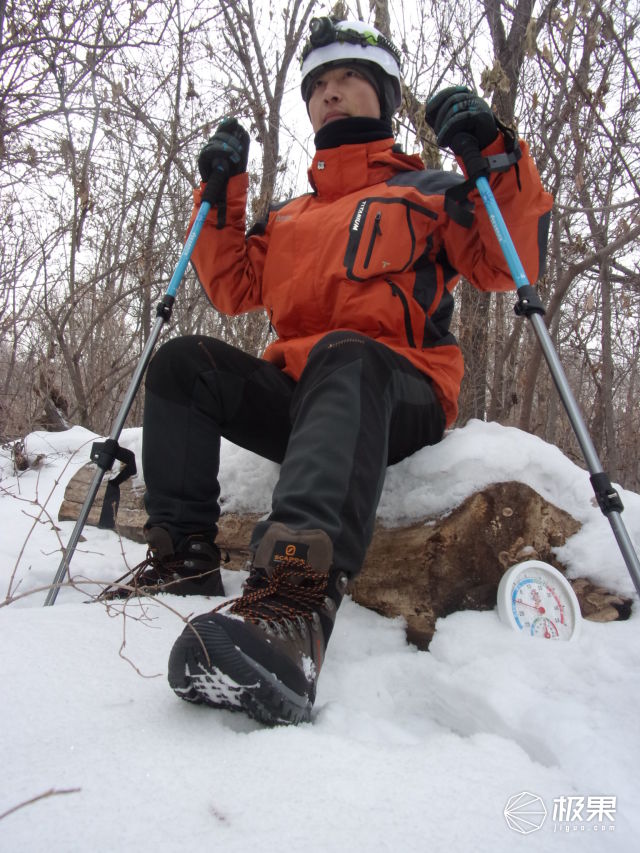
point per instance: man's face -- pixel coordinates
(340, 93)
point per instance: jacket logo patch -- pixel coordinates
(358, 217)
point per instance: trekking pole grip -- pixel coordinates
(466, 146)
(215, 192)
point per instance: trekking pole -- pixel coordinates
(530, 306)
(105, 453)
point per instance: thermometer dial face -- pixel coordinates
(537, 600)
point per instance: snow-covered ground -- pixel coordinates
(407, 750)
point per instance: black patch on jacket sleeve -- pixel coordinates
(428, 182)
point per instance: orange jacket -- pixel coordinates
(370, 250)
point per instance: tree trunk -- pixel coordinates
(473, 340)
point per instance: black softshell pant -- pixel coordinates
(357, 408)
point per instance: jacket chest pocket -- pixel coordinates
(386, 235)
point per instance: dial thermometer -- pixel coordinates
(539, 601)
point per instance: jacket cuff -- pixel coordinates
(237, 190)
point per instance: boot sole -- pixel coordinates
(236, 682)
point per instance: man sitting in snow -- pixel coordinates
(357, 279)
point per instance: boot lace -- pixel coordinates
(151, 572)
(291, 592)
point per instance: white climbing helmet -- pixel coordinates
(337, 42)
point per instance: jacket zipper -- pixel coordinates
(407, 314)
(377, 231)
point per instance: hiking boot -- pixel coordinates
(193, 569)
(262, 653)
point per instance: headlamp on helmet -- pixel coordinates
(324, 31)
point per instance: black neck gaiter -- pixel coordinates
(352, 131)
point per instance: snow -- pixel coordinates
(407, 750)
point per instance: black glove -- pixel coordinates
(226, 151)
(225, 154)
(457, 110)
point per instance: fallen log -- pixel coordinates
(422, 571)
